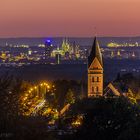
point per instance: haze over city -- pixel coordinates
(70, 69)
(78, 18)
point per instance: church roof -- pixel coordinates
(95, 53)
(116, 89)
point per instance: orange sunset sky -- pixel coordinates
(38, 18)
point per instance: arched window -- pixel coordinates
(97, 89)
(98, 79)
(93, 79)
(92, 89)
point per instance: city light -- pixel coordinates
(35, 99)
(48, 40)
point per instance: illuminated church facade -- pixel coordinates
(95, 71)
(96, 74)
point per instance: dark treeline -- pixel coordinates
(103, 118)
(13, 124)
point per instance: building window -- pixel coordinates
(97, 89)
(98, 79)
(92, 89)
(93, 79)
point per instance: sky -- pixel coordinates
(71, 18)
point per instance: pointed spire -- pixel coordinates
(95, 53)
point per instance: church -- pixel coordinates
(96, 75)
(95, 71)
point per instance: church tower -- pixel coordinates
(95, 71)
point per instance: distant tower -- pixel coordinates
(119, 53)
(95, 71)
(48, 49)
(112, 54)
(58, 58)
(133, 54)
(65, 46)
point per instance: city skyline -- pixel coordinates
(37, 18)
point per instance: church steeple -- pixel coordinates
(95, 53)
(95, 71)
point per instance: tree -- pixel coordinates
(70, 98)
(103, 118)
(132, 132)
(62, 88)
(11, 89)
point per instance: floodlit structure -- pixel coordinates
(95, 76)
(95, 71)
